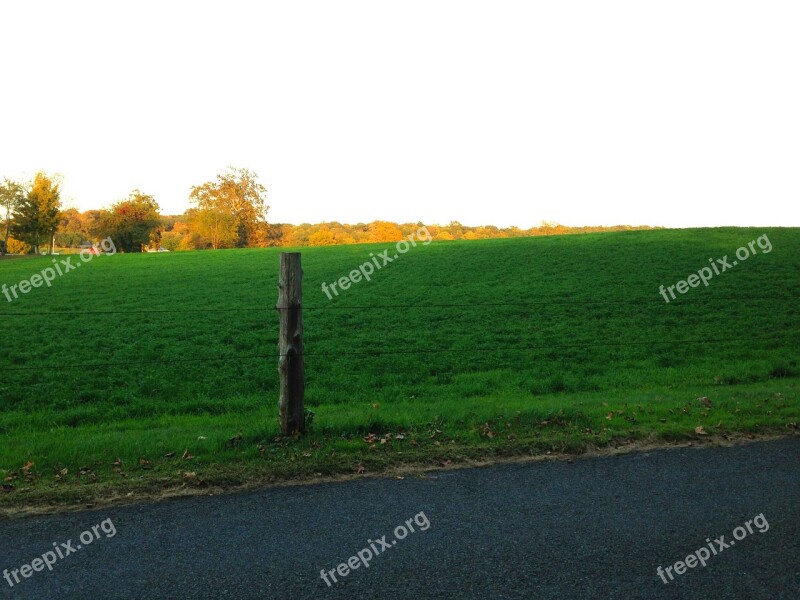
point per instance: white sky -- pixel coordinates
(680, 113)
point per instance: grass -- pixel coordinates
(142, 373)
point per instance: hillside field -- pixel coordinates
(142, 373)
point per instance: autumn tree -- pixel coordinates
(229, 211)
(70, 226)
(39, 212)
(91, 223)
(384, 231)
(132, 223)
(12, 195)
(323, 237)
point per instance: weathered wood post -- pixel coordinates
(290, 345)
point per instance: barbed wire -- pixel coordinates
(489, 350)
(548, 302)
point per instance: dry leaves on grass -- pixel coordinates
(26, 471)
(192, 478)
(705, 401)
(700, 431)
(371, 438)
(117, 465)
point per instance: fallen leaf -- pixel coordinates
(187, 455)
(60, 475)
(360, 468)
(705, 401)
(170, 454)
(700, 431)
(610, 416)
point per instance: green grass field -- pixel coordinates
(136, 374)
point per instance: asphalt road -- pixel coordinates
(595, 528)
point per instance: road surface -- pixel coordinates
(593, 528)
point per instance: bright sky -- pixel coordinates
(680, 113)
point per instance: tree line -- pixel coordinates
(227, 212)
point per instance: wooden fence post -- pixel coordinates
(290, 345)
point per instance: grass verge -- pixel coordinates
(127, 461)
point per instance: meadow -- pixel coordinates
(139, 374)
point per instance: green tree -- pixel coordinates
(12, 195)
(39, 213)
(132, 223)
(212, 226)
(231, 210)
